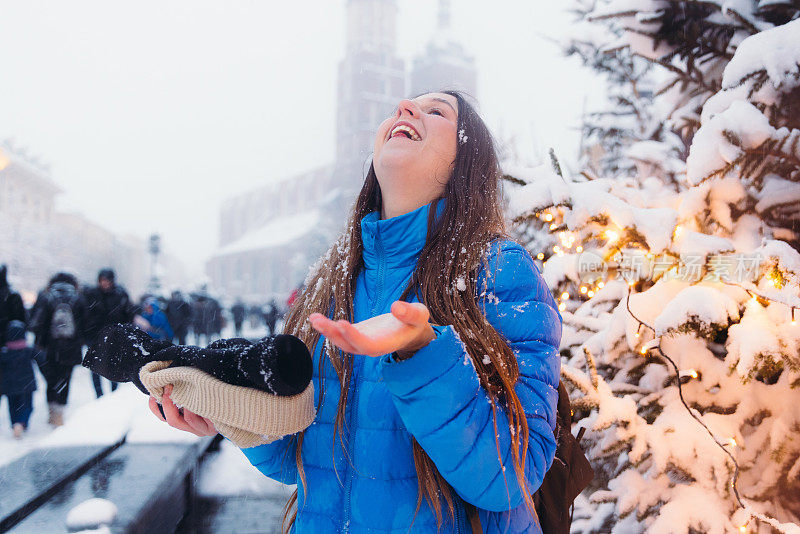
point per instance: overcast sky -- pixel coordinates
(152, 112)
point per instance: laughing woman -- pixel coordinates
(439, 414)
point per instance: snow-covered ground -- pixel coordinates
(81, 392)
(125, 412)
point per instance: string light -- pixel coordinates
(590, 293)
(564, 295)
(690, 373)
(579, 249)
(553, 226)
(540, 256)
(694, 416)
(548, 217)
(562, 306)
(583, 290)
(600, 284)
(611, 236)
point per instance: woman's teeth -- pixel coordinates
(408, 131)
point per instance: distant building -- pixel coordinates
(37, 241)
(445, 64)
(269, 235)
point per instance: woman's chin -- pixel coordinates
(397, 157)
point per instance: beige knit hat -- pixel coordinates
(248, 417)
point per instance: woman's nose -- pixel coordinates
(409, 107)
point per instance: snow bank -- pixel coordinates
(228, 473)
(91, 514)
(103, 422)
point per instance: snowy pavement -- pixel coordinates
(225, 479)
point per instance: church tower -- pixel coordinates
(445, 64)
(371, 83)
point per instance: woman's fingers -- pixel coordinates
(153, 405)
(181, 419)
(413, 313)
(172, 414)
(200, 424)
(332, 333)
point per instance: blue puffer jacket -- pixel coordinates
(433, 396)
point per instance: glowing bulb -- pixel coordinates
(632, 283)
(693, 374)
(553, 226)
(562, 306)
(565, 295)
(540, 256)
(579, 249)
(732, 442)
(556, 249)
(643, 351)
(583, 290)
(611, 235)
(677, 231)
(548, 217)
(601, 284)
(590, 293)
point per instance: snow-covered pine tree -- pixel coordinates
(693, 263)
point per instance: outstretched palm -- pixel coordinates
(405, 329)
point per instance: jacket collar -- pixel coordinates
(396, 241)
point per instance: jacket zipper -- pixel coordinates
(354, 405)
(459, 510)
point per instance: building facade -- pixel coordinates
(36, 240)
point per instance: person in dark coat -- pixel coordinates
(179, 315)
(11, 308)
(106, 304)
(17, 381)
(59, 322)
(270, 314)
(238, 311)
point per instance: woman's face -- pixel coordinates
(416, 146)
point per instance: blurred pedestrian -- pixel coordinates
(106, 304)
(59, 322)
(270, 314)
(17, 381)
(159, 327)
(11, 308)
(179, 315)
(238, 312)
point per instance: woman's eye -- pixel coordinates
(436, 112)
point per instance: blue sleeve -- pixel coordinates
(276, 460)
(443, 405)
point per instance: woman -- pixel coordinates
(451, 407)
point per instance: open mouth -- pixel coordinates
(405, 130)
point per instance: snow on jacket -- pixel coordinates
(435, 397)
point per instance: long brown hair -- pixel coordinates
(453, 252)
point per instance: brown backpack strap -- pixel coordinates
(474, 520)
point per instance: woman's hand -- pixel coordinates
(181, 419)
(405, 331)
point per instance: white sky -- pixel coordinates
(152, 112)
